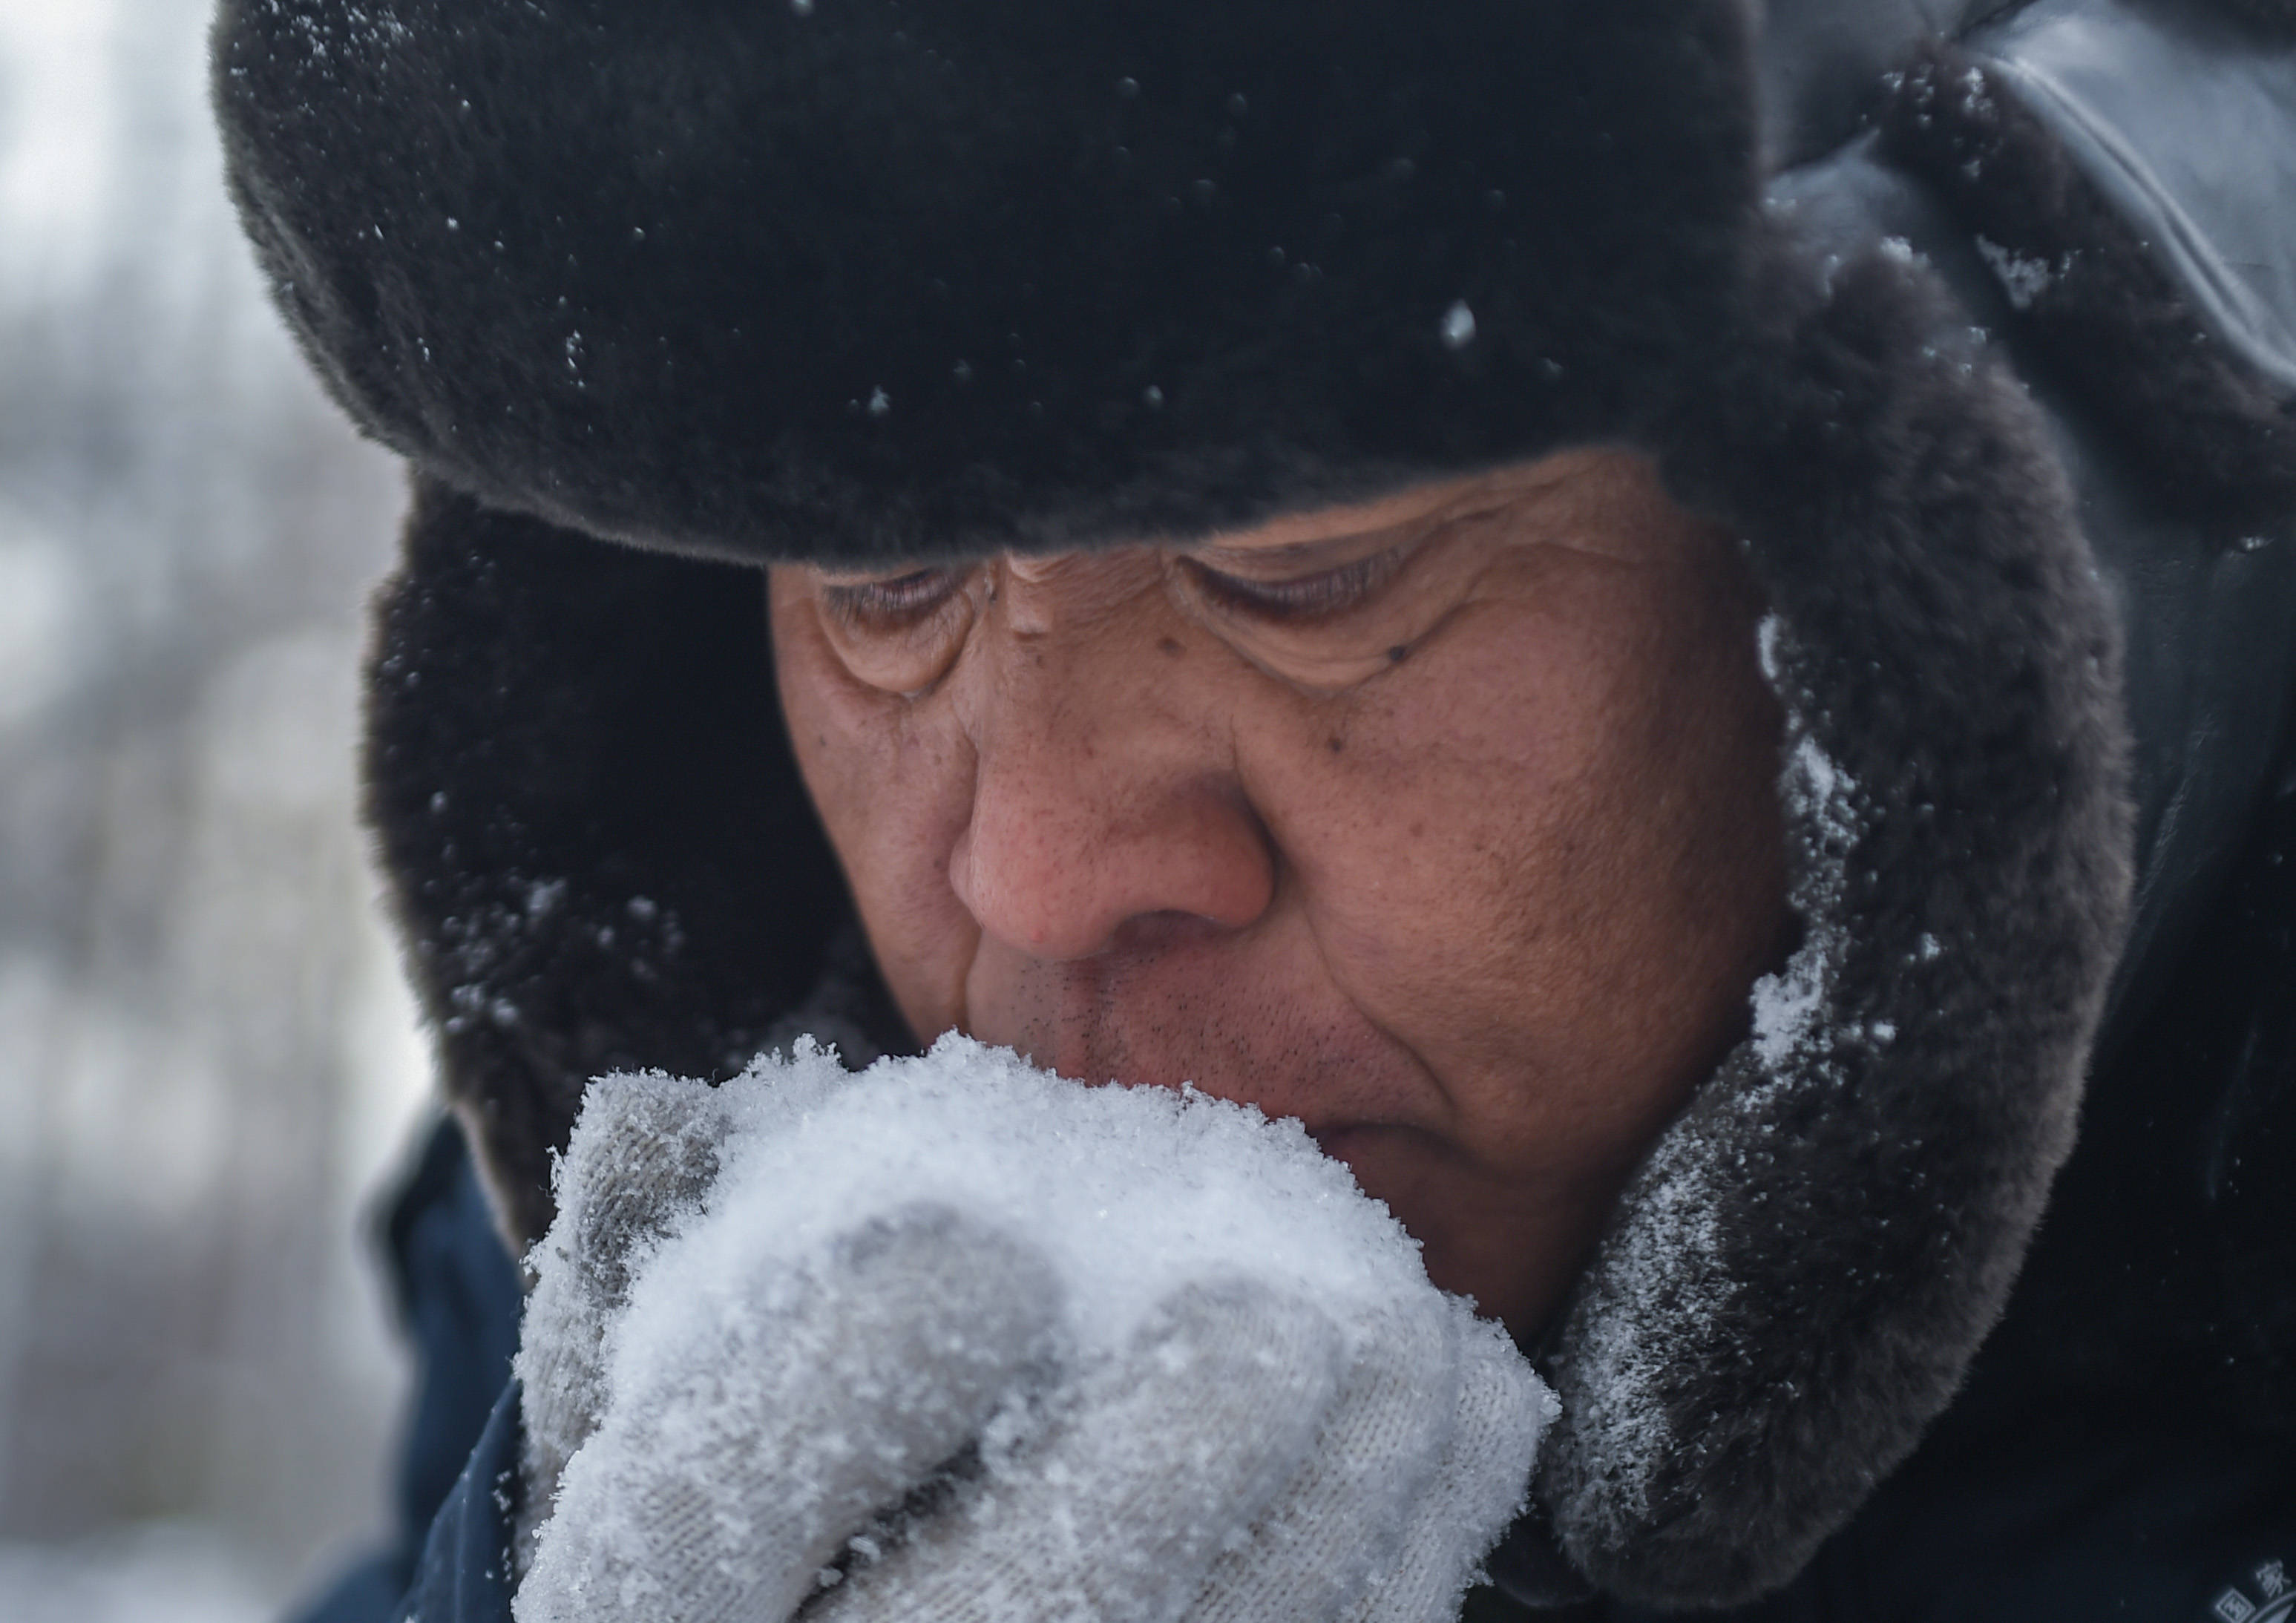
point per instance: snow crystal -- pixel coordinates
(2021, 277)
(1785, 1004)
(1822, 800)
(1815, 775)
(1768, 637)
(1458, 325)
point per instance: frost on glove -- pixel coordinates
(956, 1339)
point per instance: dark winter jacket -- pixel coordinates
(1976, 321)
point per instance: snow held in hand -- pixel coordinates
(1178, 1358)
(1130, 1192)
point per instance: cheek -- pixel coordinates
(892, 784)
(1544, 854)
(1446, 815)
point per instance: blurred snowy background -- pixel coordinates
(207, 1064)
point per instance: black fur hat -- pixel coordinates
(875, 279)
(862, 278)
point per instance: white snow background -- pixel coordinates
(207, 1062)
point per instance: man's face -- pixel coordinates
(1446, 824)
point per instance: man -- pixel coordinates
(1480, 576)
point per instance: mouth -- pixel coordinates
(1361, 1147)
(1334, 1139)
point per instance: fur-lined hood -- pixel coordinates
(857, 279)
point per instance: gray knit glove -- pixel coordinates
(890, 1389)
(642, 1155)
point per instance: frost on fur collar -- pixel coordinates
(1801, 1270)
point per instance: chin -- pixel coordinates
(1512, 1242)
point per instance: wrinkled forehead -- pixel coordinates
(857, 280)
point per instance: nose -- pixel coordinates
(1105, 789)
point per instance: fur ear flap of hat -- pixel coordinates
(1810, 1255)
(852, 279)
(598, 844)
(2210, 433)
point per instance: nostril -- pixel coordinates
(1166, 929)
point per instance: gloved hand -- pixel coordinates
(642, 1157)
(916, 1400)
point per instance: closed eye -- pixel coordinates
(890, 604)
(1323, 595)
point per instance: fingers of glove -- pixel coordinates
(734, 1463)
(643, 1153)
(1476, 1492)
(1157, 1460)
(1343, 1516)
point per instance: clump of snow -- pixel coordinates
(1766, 638)
(1131, 1193)
(1824, 811)
(1171, 1335)
(1458, 325)
(2022, 277)
(1785, 1004)
(1821, 802)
